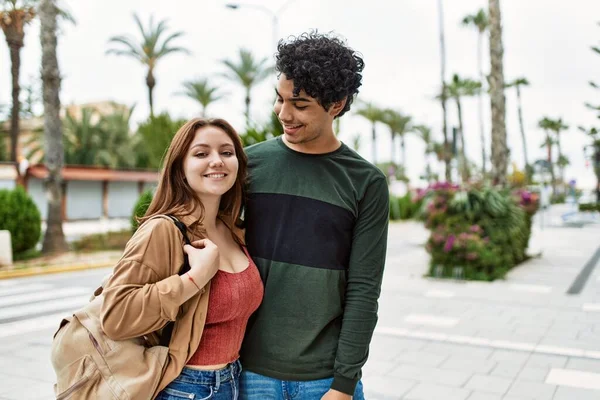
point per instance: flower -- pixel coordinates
(475, 228)
(449, 243)
(472, 256)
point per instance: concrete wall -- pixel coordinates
(35, 188)
(122, 197)
(84, 200)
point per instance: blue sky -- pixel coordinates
(544, 40)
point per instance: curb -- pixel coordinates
(40, 270)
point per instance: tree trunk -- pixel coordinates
(14, 39)
(480, 104)
(447, 158)
(497, 100)
(550, 163)
(464, 168)
(560, 167)
(523, 137)
(393, 147)
(247, 102)
(374, 137)
(150, 82)
(54, 239)
(403, 147)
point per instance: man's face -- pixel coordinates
(305, 122)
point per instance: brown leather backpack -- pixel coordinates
(89, 365)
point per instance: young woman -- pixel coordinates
(202, 185)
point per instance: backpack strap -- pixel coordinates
(167, 331)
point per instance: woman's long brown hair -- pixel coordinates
(174, 196)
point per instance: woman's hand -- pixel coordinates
(204, 259)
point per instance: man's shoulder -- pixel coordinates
(257, 149)
(361, 164)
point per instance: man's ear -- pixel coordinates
(337, 107)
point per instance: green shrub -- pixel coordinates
(477, 234)
(141, 206)
(103, 241)
(20, 216)
(589, 207)
(403, 208)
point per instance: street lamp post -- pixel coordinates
(273, 14)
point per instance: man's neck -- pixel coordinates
(321, 145)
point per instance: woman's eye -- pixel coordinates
(228, 153)
(200, 155)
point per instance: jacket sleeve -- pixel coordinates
(144, 292)
(365, 273)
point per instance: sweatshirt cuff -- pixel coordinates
(344, 384)
(170, 291)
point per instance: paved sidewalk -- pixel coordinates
(522, 338)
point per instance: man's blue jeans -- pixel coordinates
(259, 387)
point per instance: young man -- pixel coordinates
(316, 226)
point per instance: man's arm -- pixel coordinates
(365, 272)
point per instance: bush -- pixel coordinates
(589, 207)
(477, 234)
(103, 241)
(141, 206)
(20, 216)
(403, 208)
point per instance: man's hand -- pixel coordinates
(335, 395)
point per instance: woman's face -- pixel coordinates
(211, 165)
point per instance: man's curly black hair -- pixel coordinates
(323, 65)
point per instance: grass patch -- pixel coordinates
(103, 241)
(27, 255)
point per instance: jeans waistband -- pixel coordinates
(214, 377)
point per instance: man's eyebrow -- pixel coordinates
(294, 99)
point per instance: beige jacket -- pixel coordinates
(145, 291)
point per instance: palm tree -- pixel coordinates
(424, 132)
(374, 115)
(248, 72)
(480, 22)
(54, 238)
(458, 88)
(496, 80)
(14, 16)
(562, 161)
(548, 125)
(202, 91)
(399, 125)
(594, 134)
(446, 154)
(117, 144)
(517, 83)
(149, 50)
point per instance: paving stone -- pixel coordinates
(457, 349)
(546, 361)
(567, 393)
(421, 358)
(379, 387)
(489, 384)
(431, 375)
(531, 390)
(462, 363)
(584, 364)
(425, 391)
(506, 369)
(514, 357)
(533, 374)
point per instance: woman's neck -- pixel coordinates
(211, 211)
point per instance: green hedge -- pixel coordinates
(140, 208)
(403, 208)
(477, 234)
(21, 217)
(589, 207)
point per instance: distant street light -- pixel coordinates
(273, 14)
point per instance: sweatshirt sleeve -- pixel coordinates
(144, 292)
(365, 273)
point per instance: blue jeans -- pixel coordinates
(193, 384)
(259, 387)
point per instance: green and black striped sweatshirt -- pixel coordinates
(316, 227)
